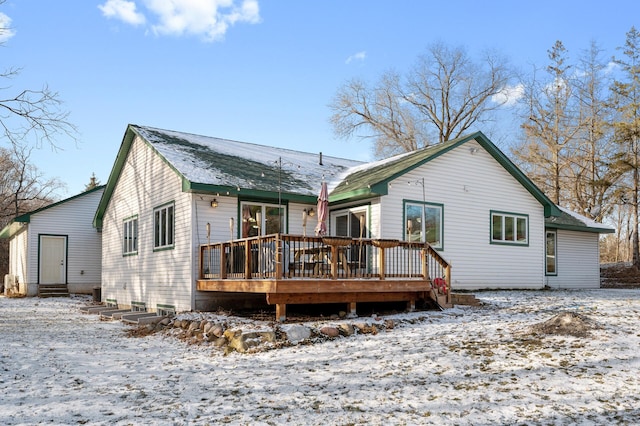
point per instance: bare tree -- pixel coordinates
(23, 187)
(592, 178)
(626, 100)
(551, 125)
(442, 97)
(31, 114)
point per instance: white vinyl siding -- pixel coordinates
(164, 277)
(578, 260)
(469, 184)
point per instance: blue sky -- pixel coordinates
(258, 71)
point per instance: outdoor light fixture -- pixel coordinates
(310, 212)
(214, 203)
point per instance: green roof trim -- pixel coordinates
(374, 181)
(13, 226)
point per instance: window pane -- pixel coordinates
(497, 228)
(273, 220)
(135, 235)
(342, 225)
(414, 222)
(522, 229)
(509, 223)
(156, 221)
(170, 219)
(432, 226)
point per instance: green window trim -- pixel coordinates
(164, 227)
(130, 236)
(508, 228)
(422, 219)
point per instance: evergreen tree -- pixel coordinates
(93, 183)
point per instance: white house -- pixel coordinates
(170, 192)
(56, 245)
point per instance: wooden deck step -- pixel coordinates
(53, 290)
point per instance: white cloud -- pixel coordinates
(123, 10)
(209, 19)
(360, 56)
(6, 32)
(611, 67)
(509, 95)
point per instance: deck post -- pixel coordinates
(411, 305)
(281, 312)
(279, 268)
(381, 262)
(447, 278)
(352, 309)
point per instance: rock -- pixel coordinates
(220, 342)
(346, 329)
(342, 314)
(202, 324)
(216, 330)
(330, 331)
(296, 333)
(361, 326)
(165, 322)
(241, 341)
(206, 327)
(195, 325)
(389, 324)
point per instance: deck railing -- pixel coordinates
(284, 256)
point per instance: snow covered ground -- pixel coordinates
(476, 366)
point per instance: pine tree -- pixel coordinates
(93, 183)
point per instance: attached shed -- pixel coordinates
(573, 250)
(56, 245)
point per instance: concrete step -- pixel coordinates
(466, 299)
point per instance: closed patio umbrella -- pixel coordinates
(323, 207)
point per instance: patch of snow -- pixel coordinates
(464, 366)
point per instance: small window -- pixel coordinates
(423, 222)
(551, 259)
(130, 236)
(163, 226)
(509, 228)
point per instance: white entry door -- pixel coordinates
(53, 259)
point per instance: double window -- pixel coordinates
(130, 236)
(423, 222)
(163, 226)
(509, 228)
(262, 219)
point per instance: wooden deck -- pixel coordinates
(294, 269)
